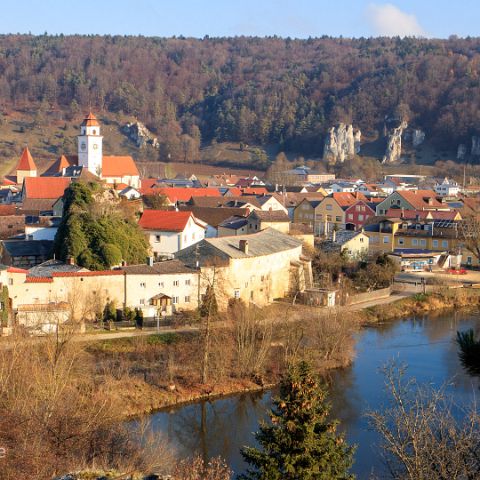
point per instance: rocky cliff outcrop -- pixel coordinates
(341, 143)
(139, 134)
(418, 137)
(394, 144)
(461, 151)
(475, 146)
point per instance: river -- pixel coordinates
(426, 345)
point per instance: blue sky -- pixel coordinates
(294, 18)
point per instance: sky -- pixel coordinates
(286, 18)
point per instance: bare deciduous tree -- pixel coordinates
(425, 434)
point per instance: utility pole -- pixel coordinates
(197, 266)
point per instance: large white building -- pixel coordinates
(119, 170)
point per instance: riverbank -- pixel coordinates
(439, 301)
(162, 371)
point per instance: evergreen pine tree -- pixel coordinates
(301, 443)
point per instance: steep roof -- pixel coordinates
(422, 214)
(420, 199)
(118, 166)
(90, 121)
(45, 187)
(165, 220)
(346, 199)
(26, 161)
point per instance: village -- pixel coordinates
(242, 236)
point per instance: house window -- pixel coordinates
(175, 283)
(350, 216)
(236, 293)
(187, 282)
(157, 238)
(161, 285)
(142, 301)
(338, 219)
(444, 244)
(469, 260)
(415, 242)
(143, 285)
(435, 243)
(10, 281)
(174, 300)
(401, 241)
(187, 298)
(361, 239)
(360, 217)
(329, 207)
(423, 242)
(385, 239)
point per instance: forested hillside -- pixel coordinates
(252, 90)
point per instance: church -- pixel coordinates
(89, 161)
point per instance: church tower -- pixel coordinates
(90, 145)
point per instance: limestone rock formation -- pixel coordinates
(138, 133)
(461, 151)
(418, 136)
(475, 146)
(394, 145)
(341, 143)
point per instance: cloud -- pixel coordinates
(388, 20)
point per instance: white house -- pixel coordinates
(448, 188)
(342, 187)
(170, 231)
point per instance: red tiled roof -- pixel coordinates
(26, 161)
(235, 191)
(166, 220)
(178, 194)
(118, 166)
(7, 182)
(90, 121)
(16, 270)
(421, 214)
(419, 199)
(346, 199)
(148, 182)
(45, 187)
(38, 280)
(99, 273)
(254, 191)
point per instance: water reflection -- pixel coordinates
(426, 344)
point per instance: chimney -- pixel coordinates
(243, 246)
(150, 261)
(70, 260)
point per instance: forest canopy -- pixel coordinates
(253, 90)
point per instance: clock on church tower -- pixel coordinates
(90, 145)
